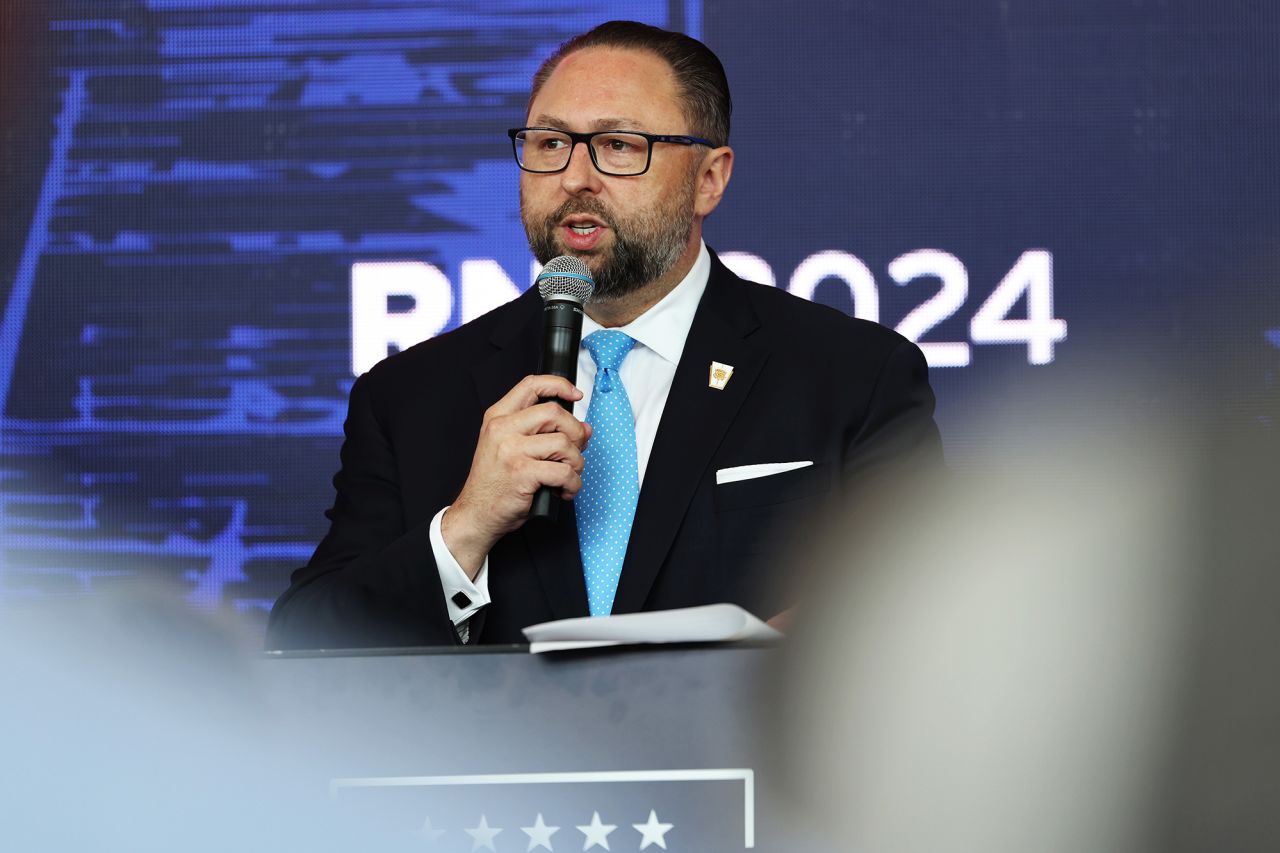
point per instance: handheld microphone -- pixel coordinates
(566, 285)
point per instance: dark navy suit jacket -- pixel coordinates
(808, 384)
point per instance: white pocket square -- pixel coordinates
(751, 472)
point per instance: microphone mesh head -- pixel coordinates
(566, 277)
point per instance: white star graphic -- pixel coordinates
(653, 832)
(482, 835)
(539, 834)
(428, 832)
(596, 832)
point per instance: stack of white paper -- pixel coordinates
(707, 624)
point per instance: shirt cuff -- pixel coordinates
(462, 595)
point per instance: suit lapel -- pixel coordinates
(553, 548)
(515, 342)
(693, 423)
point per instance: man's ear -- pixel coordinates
(712, 178)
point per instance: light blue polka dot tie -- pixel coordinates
(610, 482)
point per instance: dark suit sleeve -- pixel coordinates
(371, 582)
(897, 435)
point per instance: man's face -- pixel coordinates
(628, 230)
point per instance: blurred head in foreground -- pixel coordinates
(130, 723)
(1069, 648)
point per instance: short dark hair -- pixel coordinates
(698, 71)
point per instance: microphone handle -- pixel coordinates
(561, 337)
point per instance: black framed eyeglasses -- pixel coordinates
(624, 153)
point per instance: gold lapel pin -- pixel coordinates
(720, 374)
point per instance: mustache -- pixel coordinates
(588, 206)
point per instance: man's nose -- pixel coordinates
(580, 175)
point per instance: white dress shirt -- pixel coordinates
(646, 373)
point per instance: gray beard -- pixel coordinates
(643, 250)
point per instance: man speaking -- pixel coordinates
(710, 408)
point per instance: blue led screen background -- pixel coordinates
(215, 210)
